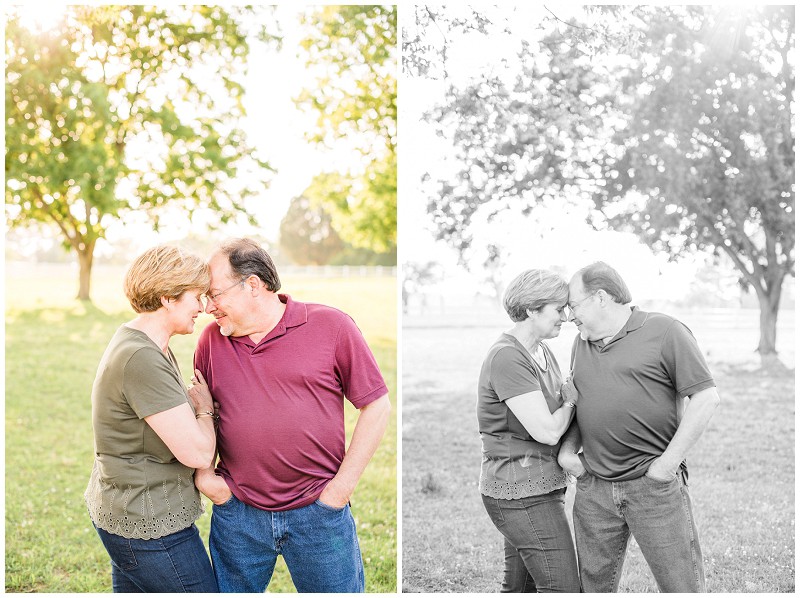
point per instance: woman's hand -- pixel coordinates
(568, 391)
(212, 485)
(199, 394)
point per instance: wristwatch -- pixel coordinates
(569, 404)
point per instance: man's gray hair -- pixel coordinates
(600, 275)
(532, 290)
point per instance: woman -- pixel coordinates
(149, 437)
(523, 410)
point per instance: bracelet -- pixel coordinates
(205, 414)
(569, 404)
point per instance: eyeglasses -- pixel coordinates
(213, 297)
(571, 307)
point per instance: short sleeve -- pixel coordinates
(356, 367)
(684, 361)
(512, 374)
(151, 384)
(202, 352)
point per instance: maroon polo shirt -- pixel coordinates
(281, 431)
(631, 392)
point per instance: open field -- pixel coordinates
(53, 345)
(741, 471)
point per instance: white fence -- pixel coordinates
(24, 269)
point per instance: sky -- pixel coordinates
(566, 243)
(275, 126)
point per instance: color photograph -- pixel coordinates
(200, 298)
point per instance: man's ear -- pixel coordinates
(253, 282)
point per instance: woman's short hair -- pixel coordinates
(164, 271)
(532, 290)
(600, 275)
(248, 258)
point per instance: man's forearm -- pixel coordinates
(571, 442)
(695, 419)
(370, 427)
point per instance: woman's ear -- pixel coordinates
(165, 301)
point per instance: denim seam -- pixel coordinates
(624, 548)
(544, 552)
(174, 568)
(500, 516)
(692, 543)
(618, 566)
(133, 557)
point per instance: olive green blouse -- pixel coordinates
(514, 465)
(137, 489)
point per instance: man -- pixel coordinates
(633, 370)
(279, 370)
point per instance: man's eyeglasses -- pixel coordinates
(213, 297)
(572, 306)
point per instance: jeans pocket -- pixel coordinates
(225, 504)
(658, 480)
(492, 506)
(328, 507)
(124, 556)
(119, 548)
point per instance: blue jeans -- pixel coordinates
(318, 543)
(539, 554)
(174, 563)
(657, 513)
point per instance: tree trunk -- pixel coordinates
(768, 321)
(85, 257)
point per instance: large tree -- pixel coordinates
(125, 108)
(684, 136)
(705, 158)
(352, 50)
(526, 131)
(307, 236)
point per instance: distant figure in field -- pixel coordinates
(523, 409)
(633, 371)
(150, 434)
(280, 370)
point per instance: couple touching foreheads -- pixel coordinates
(619, 424)
(279, 370)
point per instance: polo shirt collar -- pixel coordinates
(295, 314)
(635, 321)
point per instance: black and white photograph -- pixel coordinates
(399, 298)
(597, 236)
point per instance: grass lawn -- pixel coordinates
(741, 471)
(53, 345)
